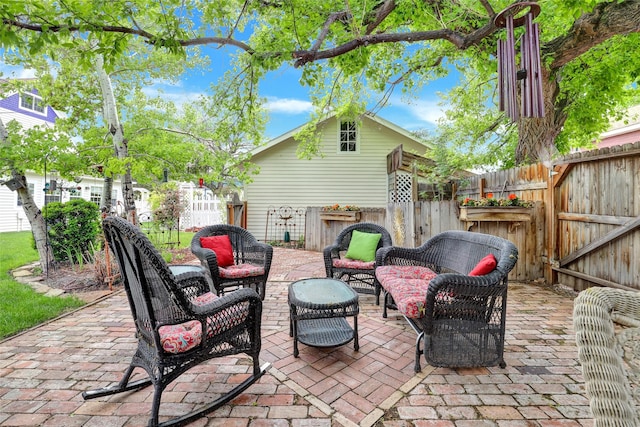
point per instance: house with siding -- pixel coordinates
(29, 110)
(352, 170)
(624, 131)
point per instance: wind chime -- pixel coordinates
(529, 75)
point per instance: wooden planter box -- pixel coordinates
(494, 213)
(349, 216)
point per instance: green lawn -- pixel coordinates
(20, 306)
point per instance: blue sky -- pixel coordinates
(288, 101)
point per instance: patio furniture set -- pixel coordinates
(448, 289)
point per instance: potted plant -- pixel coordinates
(349, 213)
(491, 209)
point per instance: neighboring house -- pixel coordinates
(13, 218)
(624, 131)
(353, 170)
(29, 110)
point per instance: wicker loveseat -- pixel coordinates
(460, 318)
(607, 327)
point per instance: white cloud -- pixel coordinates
(426, 111)
(13, 72)
(173, 94)
(288, 106)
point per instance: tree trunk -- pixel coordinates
(31, 210)
(536, 136)
(110, 113)
(38, 224)
(105, 198)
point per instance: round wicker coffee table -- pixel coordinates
(318, 311)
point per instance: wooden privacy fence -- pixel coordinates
(583, 230)
(412, 224)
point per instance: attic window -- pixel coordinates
(32, 102)
(348, 137)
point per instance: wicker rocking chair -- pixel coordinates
(179, 322)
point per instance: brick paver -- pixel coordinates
(44, 371)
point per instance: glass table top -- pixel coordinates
(322, 291)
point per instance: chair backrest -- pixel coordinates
(147, 279)
(459, 251)
(240, 238)
(344, 238)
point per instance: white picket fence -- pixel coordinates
(202, 207)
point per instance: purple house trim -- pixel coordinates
(12, 103)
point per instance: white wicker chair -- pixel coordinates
(607, 327)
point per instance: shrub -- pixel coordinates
(73, 228)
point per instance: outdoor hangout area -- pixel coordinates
(44, 372)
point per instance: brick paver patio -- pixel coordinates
(44, 371)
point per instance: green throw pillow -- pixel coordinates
(363, 246)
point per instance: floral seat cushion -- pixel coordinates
(241, 270)
(353, 264)
(204, 299)
(181, 337)
(408, 286)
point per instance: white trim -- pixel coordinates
(340, 142)
(373, 117)
(35, 98)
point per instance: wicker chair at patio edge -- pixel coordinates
(607, 328)
(360, 277)
(463, 317)
(248, 254)
(179, 322)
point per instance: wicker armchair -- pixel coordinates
(461, 318)
(359, 274)
(607, 327)
(179, 322)
(251, 259)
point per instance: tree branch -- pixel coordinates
(606, 21)
(460, 40)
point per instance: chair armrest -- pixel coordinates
(397, 255)
(207, 256)
(331, 251)
(192, 284)
(235, 298)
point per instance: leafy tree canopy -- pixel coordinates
(347, 49)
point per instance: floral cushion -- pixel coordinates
(408, 286)
(204, 299)
(241, 270)
(353, 264)
(181, 337)
(404, 272)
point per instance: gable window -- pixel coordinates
(348, 137)
(32, 102)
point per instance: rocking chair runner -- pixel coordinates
(179, 322)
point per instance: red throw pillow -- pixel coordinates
(221, 245)
(485, 266)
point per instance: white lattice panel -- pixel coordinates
(400, 187)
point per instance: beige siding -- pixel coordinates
(356, 179)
